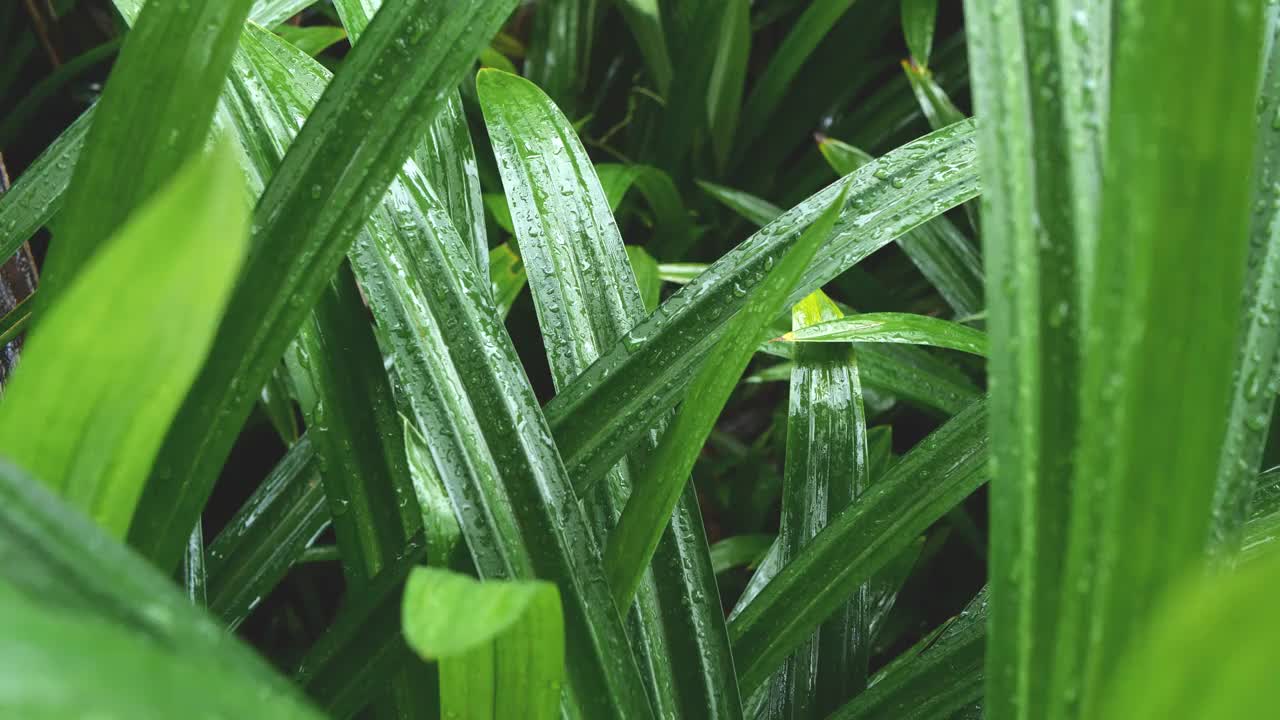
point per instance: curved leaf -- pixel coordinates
(605, 411)
(893, 328)
(86, 618)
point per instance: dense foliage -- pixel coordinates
(639, 358)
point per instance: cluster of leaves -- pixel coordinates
(413, 278)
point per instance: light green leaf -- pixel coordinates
(155, 114)
(499, 645)
(112, 389)
(893, 328)
(311, 39)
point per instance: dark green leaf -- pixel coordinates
(936, 475)
(392, 84)
(666, 471)
(311, 39)
(602, 414)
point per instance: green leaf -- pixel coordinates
(927, 482)
(1199, 659)
(932, 680)
(728, 77)
(362, 648)
(85, 619)
(266, 536)
(666, 471)
(740, 550)
(757, 210)
(506, 275)
(648, 281)
(934, 101)
(1257, 368)
(496, 204)
(605, 411)
(1040, 76)
(356, 432)
(559, 55)
(826, 470)
(941, 252)
(500, 645)
(40, 191)
(918, 17)
(805, 35)
(587, 297)
(269, 12)
(1141, 441)
(155, 114)
(311, 39)
(392, 84)
(893, 328)
(169, 269)
(645, 21)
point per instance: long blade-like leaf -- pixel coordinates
(893, 328)
(391, 85)
(942, 253)
(448, 347)
(266, 535)
(1155, 276)
(665, 471)
(827, 468)
(1041, 164)
(154, 115)
(587, 297)
(1257, 370)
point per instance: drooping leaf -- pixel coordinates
(499, 645)
(942, 253)
(170, 269)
